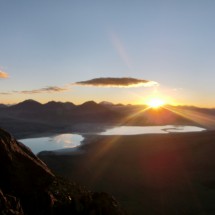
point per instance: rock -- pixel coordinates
(70, 198)
(22, 173)
(28, 187)
(10, 205)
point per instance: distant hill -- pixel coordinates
(105, 103)
(3, 106)
(52, 105)
(27, 105)
(92, 112)
(89, 106)
(32, 115)
(164, 116)
(57, 112)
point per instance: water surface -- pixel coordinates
(164, 129)
(62, 141)
(72, 141)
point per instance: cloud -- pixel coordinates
(50, 89)
(3, 74)
(4, 93)
(97, 82)
(117, 82)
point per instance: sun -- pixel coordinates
(155, 102)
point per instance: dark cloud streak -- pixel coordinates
(50, 89)
(117, 82)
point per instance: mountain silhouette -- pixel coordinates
(30, 105)
(90, 107)
(33, 116)
(162, 116)
(52, 105)
(3, 106)
(105, 103)
(92, 112)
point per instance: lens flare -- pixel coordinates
(155, 102)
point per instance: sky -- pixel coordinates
(49, 47)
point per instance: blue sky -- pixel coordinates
(56, 43)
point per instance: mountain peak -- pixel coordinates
(105, 103)
(28, 103)
(59, 105)
(89, 103)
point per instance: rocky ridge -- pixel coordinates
(27, 186)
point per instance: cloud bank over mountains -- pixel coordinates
(117, 82)
(96, 82)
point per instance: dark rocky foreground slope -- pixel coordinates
(27, 186)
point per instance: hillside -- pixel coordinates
(27, 186)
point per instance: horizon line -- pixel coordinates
(123, 104)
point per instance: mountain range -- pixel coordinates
(32, 116)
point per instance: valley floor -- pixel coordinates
(149, 174)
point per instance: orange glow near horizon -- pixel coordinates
(133, 98)
(155, 102)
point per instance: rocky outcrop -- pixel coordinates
(27, 186)
(10, 205)
(23, 175)
(23, 171)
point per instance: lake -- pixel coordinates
(164, 129)
(72, 141)
(57, 142)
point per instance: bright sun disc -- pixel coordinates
(155, 103)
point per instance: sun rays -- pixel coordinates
(155, 102)
(110, 144)
(194, 115)
(140, 115)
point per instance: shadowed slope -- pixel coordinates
(27, 186)
(170, 174)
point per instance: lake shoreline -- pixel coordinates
(67, 141)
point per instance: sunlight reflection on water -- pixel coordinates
(134, 130)
(61, 141)
(68, 141)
